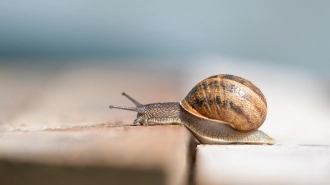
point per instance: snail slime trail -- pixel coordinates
(221, 109)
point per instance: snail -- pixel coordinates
(221, 109)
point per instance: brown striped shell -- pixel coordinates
(230, 99)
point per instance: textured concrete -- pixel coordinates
(261, 164)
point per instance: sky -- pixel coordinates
(285, 32)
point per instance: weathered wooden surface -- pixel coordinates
(55, 126)
(77, 94)
(158, 154)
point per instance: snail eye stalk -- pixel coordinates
(135, 109)
(138, 104)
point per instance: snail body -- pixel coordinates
(221, 109)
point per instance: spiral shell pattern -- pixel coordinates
(230, 99)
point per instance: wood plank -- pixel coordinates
(148, 155)
(55, 126)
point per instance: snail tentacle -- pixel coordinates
(135, 109)
(138, 120)
(138, 104)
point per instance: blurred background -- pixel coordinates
(63, 62)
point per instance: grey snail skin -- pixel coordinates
(221, 109)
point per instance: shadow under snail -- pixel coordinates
(221, 109)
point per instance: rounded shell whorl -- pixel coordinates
(229, 99)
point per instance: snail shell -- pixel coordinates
(230, 99)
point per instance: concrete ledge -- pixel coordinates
(260, 164)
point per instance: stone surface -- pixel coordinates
(260, 164)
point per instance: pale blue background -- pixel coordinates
(292, 32)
